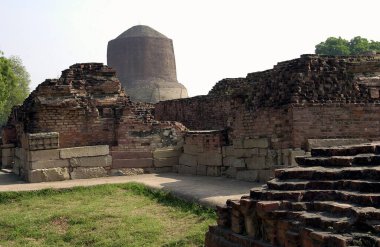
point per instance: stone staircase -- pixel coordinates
(330, 199)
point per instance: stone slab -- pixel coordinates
(46, 164)
(88, 172)
(192, 149)
(162, 162)
(234, 162)
(190, 170)
(188, 160)
(201, 170)
(7, 162)
(86, 151)
(210, 159)
(256, 162)
(166, 153)
(94, 161)
(238, 143)
(132, 163)
(213, 171)
(130, 155)
(317, 143)
(51, 154)
(163, 169)
(47, 175)
(256, 143)
(7, 151)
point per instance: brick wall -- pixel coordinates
(334, 121)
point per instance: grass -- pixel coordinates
(105, 215)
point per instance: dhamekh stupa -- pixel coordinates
(145, 64)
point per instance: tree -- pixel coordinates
(333, 46)
(14, 84)
(339, 46)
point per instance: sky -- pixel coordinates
(213, 39)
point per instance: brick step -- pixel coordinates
(222, 237)
(322, 173)
(351, 185)
(340, 161)
(361, 214)
(361, 199)
(350, 150)
(317, 220)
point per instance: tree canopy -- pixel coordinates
(339, 46)
(14, 84)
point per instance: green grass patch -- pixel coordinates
(104, 215)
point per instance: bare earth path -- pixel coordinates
(208, 191)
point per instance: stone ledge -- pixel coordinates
(86, 151)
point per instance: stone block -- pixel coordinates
(230, 172)
(247, 175)
(5, 152)
(132, 163)
(271, 158)
(7, 162)
(88, 172)
(234, 162)
(265, 175)
(188, 160)
(86, 151)
(210, 159)
(126, 172)
(191, 170)
(51, 154)
(47, 175)
(238, 143)
(42, 141)
(46, 164)
(256, 143)
(94, 161)
(285, 157)
(201, 170)
(175, 169)
(130, 155)
(170, 161)
(213, 171)
(192, 149)
(293, 154)
(317, 143)
(164, 169)
(20, 153)
(256, 162)
(227, 151)
(166, 153)
(263, 151)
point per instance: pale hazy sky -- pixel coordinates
(212, 39)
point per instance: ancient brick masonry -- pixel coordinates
(332, 199)
(272, 103)
(87, 114)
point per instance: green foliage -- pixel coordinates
(14, 84)
(339, 46)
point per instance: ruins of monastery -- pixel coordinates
(307, 128)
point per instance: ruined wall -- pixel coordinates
(88, 108)
(269, 103)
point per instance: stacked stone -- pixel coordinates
(332, 199)
(255, 159)
(202, 153)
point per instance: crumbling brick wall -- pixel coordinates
(88, 107)
(284, 102)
